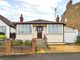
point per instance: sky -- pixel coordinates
(33, 9)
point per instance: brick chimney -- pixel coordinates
(69, 4)
(57, 19)
(21, 18)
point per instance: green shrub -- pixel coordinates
(21, 43)
(2, 36)
(14, 43)
(27, 43)
(2, 33)
(1, 44)
(78, 40)
(17, 42)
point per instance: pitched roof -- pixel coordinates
(71, 8)
(39, 21)
(77, 4)
(73, 17)
(5, 20)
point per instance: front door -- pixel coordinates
(39, 31)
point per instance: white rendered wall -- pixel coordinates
(55, 38)
(34, 32)
(12, 30)
(44, 32)
(7, 28)
(24, 37)
(70, 35)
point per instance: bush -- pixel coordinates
(2, 36)
(78, 40)
(27, 43)
(21, 43)
(1, 33)
(1, 44)
(17, 42)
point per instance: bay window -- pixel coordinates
(25, 29)
(55, 29)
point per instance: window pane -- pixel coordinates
(3, 29)
(30, 29)
(54, 29)
(49, 29)
(24, 29)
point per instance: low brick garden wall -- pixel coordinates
(2, 50)
(21, 49)
(7, 48)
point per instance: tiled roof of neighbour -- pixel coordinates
(5, 20)
(77, 4)
(72, 8)
(39, 21)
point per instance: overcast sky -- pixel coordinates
(32, 9)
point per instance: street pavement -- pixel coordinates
(48, 56)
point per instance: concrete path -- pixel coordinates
(52, 56)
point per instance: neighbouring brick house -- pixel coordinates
(71, 17)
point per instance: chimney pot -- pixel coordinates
(57, 19)
(21, 18)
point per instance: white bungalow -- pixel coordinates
(39, 29)
(54, 32)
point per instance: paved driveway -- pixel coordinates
(52, 56)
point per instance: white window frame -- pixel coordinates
(27, 29)
(1, 29)
(55, 30)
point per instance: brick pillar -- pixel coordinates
(33, 45)
(7, 45)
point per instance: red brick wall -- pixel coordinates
(33, 45)
(8, 48)
(2, 50)
(7, 45)
(21, 49)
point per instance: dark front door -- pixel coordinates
(39, 31)
(13, 35)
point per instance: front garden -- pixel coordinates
(52, 48)
(22, 43)
(15, 42)
(2, 37)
